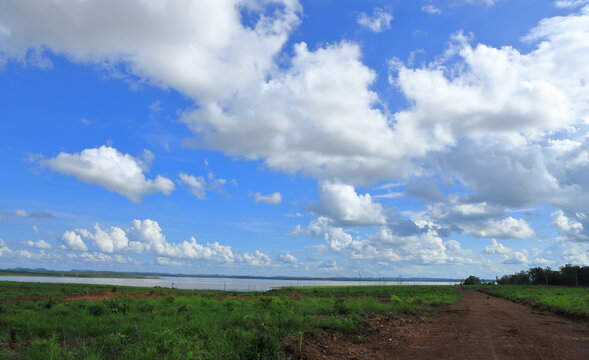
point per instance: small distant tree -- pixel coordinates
(472, 280)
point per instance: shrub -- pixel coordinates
(97, 309)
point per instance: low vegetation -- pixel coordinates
(567, 301)
(64, 321)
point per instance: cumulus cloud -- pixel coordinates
(272, 199)
(288, 259)
(147, 236)
(73, 241)
(306, 118)
(497, 248)
(379, 21)
(256, 259)
(199, 48)
(41, 244)
(199, 185)
(4, 250)
(113, 240)
(341, 203)
(508, 228)
(106, 166)
(508, 255)
(424, 247)
(196, 184)
(25, 253)
(168, 262)
(330, 266)
(569, 229)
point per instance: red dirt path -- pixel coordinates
(480, 327)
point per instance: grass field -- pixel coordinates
(62, 321)
(561, 300)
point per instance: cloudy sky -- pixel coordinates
(285, 137)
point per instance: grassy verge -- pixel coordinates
(570, 302)
(146, 323)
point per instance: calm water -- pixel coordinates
(192, 283)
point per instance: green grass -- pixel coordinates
(551, 298)
(180, 324)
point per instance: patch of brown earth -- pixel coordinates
(480, 327)
(90, 297)
(24, 298)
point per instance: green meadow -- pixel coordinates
(65, 321)
(557, 299)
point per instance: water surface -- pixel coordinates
(204, 283)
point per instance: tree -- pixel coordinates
(472, 280)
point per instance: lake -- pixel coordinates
(204, 283)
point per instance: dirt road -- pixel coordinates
(480, 327)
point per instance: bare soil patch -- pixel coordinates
(480, 327)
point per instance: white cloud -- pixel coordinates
(20, 213)
(35, 229)
(341, 203)
(168, 262)
(199, 185)
(288, 259)
(273, 199)
(306, 118)
(41, 244)
(336, 238)
(196, 184)
(431, 9)
(4, 250)
(379, 21)
(36, 214)
(200, 48)
(113, 240)
(497, 248)
(508, 228)
(575, 253)
(508, 255)
(147, 236)
(96, 257)
(332, 267)
(295, 215)
(256, 259)
(569, 4)
(73, 241)
(106, 166)
(419, 248)
(569, 230)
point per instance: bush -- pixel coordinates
(97, 309)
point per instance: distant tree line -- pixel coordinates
(567, 275)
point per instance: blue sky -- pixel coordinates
(283, 137)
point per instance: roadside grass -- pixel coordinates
(573, 302)
(181, 324)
